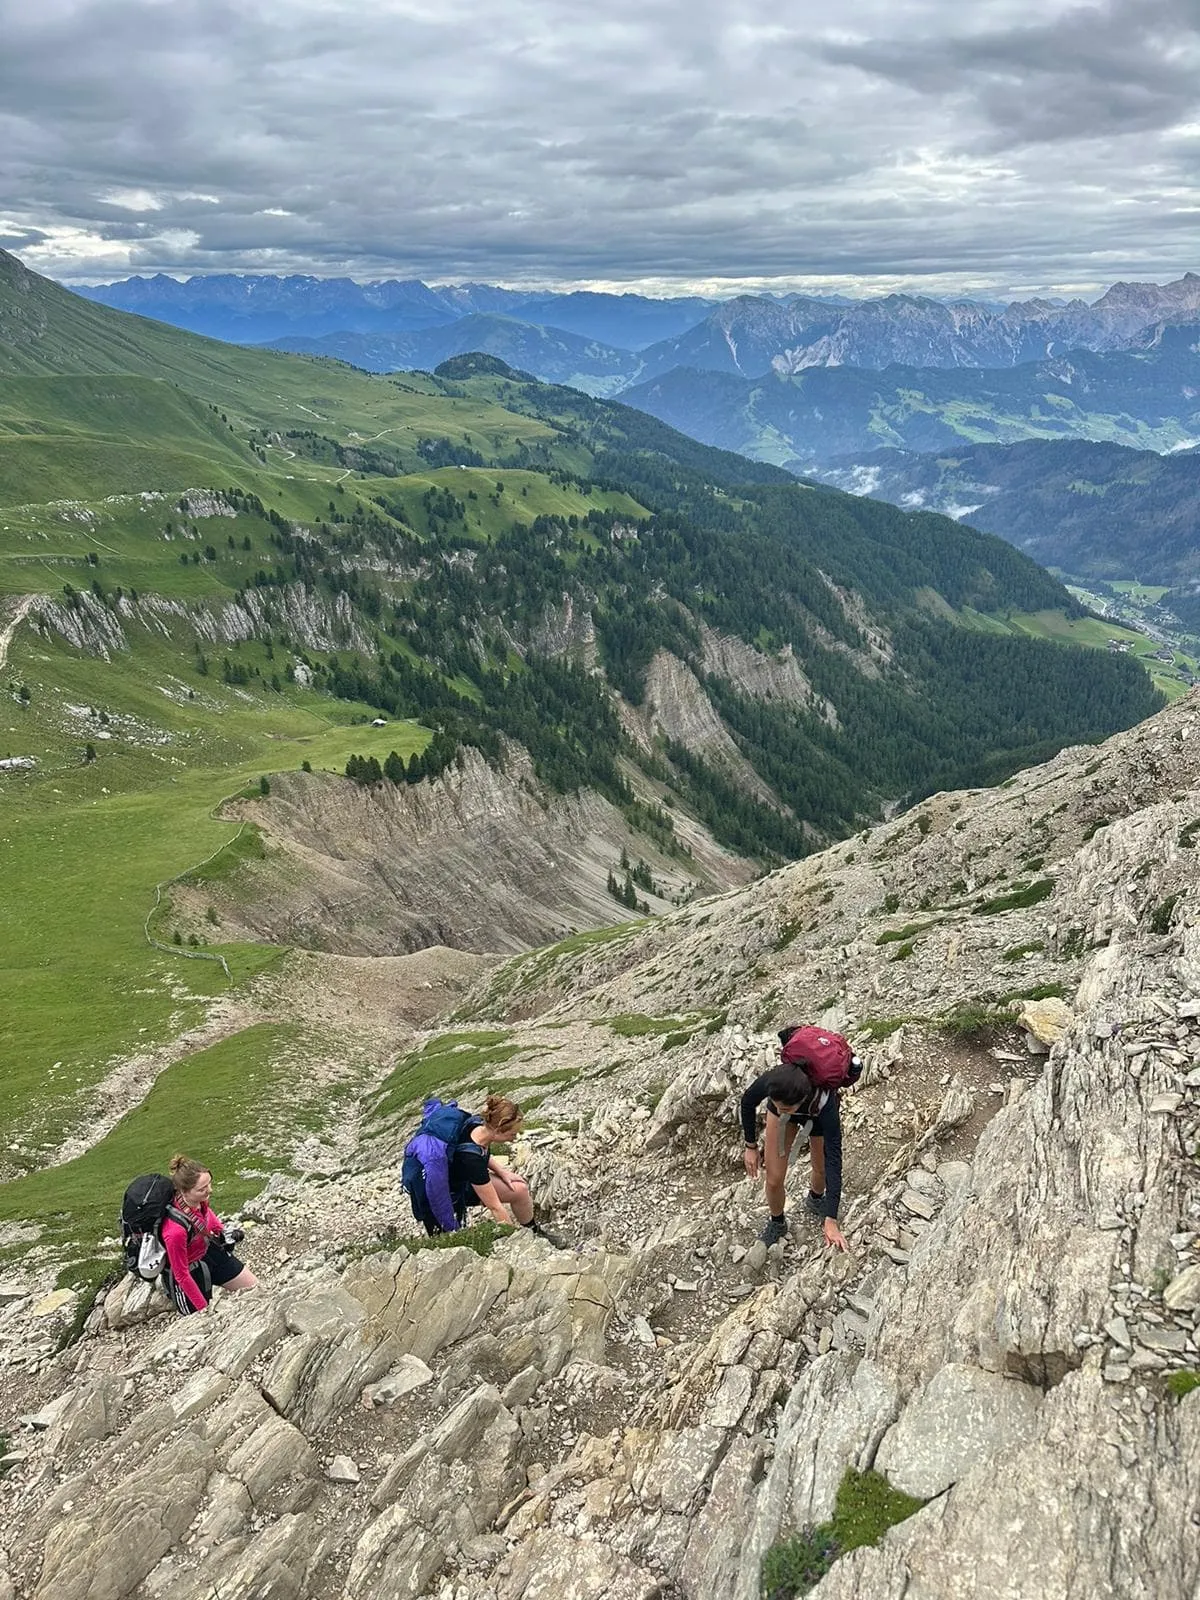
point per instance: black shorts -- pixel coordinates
(215, 1267)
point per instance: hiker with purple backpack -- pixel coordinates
(801, 1093)
(449, 1167)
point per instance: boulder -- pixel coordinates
(1045, 1020)
(961, 1419)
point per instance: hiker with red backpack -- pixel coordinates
(801, 1093)
(448, 1167)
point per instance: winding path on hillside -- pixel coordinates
(24, 604)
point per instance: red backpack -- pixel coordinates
(825, 1056)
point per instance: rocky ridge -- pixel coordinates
(642, 1415)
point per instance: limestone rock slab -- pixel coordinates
(961, 1419)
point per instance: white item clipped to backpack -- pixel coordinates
(151, 1258)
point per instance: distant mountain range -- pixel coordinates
(1147, 396)
(246, 309)
(631, 338)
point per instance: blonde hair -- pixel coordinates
(503, 1116)
(185, 1173)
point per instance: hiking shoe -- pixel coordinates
(815, 1203)
(775, 1230)
(554, 1239)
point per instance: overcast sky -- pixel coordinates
(1002, 145)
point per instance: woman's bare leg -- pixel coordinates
(244, 1280)
(514, 1192)
(775, 1162)
(816, 1151)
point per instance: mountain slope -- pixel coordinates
(1145, 397)
(551, 353)
(1091, 510)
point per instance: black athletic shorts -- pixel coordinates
(216, 1266)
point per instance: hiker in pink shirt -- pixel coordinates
(198, 1248)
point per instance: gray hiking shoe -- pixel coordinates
(815, 1203)
(775, 1230)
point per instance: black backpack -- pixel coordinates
(148, 1200)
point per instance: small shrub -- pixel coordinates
(924, 823)
(264, 786)
(1163, 913)
(211, 916)
(1181, 1383)
(891, 903)
(798, 1564)
(867, 1506)
(902, 952)
(306, 765)
(1017, 899)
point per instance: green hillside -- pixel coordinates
(229, 561)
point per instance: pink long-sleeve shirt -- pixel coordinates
(186, 1246)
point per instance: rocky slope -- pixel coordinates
(642, 1415)
(480, 859)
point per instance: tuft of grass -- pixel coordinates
(1040, 991)
(866, 1507)
(910, 931)
(1017, 951)
(884, 1027)
(903, 951)
(1162, 915)
(637, 1027)
(1024, 895)
(977, 1021)
(1182, 1383)
(482, 1237)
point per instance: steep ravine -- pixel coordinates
(481, 859)
(643, 1415)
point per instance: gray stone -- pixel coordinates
(1183, 1291)
(1117, 1329)
(1171, 1341)
(961, 1419)
(409, 1373)
(343, 1470)
(919, 1205)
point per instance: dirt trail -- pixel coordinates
(24, 605)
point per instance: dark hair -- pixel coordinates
(788, 1085)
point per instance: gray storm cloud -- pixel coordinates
(652, 141)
